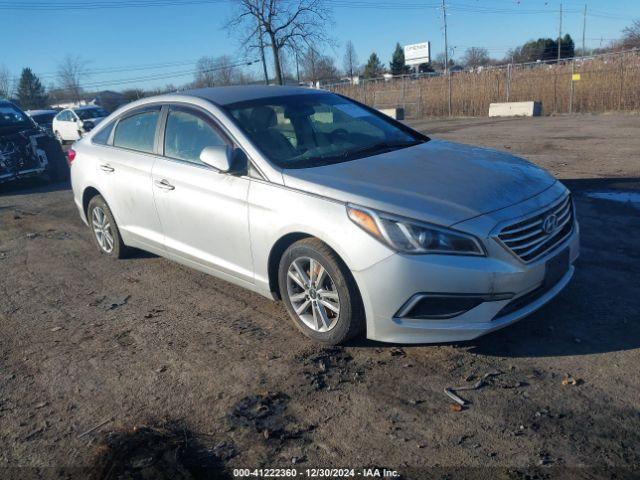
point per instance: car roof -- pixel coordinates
(228, 95)
(83, 107)
(39, 112)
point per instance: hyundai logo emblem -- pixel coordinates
(550, 224)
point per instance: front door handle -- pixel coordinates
(107, 168)
(164, 184)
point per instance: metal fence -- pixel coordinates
(607, 82)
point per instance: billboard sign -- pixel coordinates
(417, 54)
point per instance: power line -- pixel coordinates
(164, 76)
(118, 4)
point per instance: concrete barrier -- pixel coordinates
(395, 113)
(515, 109)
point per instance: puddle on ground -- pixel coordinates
(617, 196)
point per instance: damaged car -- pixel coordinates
(72, 124)
(26, 150)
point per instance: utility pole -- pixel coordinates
(264, 62)
(584, 29)
(446, 53)
(446, 44)
(560, 33)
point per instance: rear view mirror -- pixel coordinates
(219, 157)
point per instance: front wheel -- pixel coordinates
(320, 293)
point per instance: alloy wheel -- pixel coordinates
(102, 229)
(313, 294)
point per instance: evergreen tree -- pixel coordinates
(397, 64)
(543, 49)
(373, 68)
(568, 47)
(31, 93)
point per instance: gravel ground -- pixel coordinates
(145, 366)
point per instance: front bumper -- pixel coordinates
(500, 278)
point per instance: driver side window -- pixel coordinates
(186, 134)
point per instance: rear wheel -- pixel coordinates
(106, 235)
(320, 293)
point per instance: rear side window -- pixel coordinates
(102, 137)
(186, 134)
(137, 132)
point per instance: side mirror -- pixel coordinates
(219, 157)
(225, 159)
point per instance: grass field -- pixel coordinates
(608, 83)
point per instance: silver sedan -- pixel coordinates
(357, 222)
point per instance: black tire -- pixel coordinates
(350, 319)
(119, 249)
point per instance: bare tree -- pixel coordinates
(282, 23)
(350, 60)
(71, 70)
(217, 71)
(225, 71)
(131, 94)
(476, 57)
(631, 36)
(204, 76)
(316, 67)
(440, 59)
(7, 83)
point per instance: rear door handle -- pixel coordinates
(164, 184)
(107, 168)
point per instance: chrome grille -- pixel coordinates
(527, 238)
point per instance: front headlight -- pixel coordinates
(413, 236)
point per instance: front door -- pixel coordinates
(204, 213)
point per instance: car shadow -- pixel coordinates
(137, 254)
(28, 186)
(598, 311)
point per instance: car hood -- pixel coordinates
(24, 128)
(437, 181)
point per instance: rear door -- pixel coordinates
(204, 213)
(124, 169)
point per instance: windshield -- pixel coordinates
(87, 113)
(300, 131)
(44, 118)
(11, 115)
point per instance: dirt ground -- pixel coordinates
(144, 366)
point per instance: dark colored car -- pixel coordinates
(26, 150)
(44, 118)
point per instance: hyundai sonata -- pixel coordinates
(356, 221)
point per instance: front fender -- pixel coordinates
(276, 211)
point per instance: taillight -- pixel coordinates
(71, 156)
